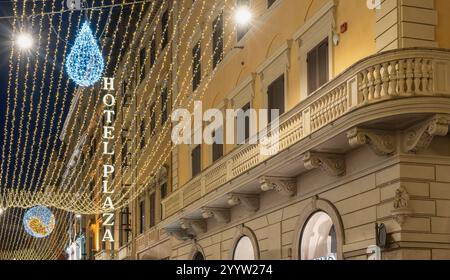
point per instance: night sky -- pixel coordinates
(35, 159)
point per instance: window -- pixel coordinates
(142, 216)
(196, 65)
(152, 118)
(217, 40)
(246, 110)
(198, 257)
(196, 160)
(164, 106)
(152, 209)
(244, 249)
(165, 29)
(317, 61)
(275, 96)
(242, 30)
(163, 191)
(163, 194)
(142, 65)
(152, 52)
(318, 239)
(142, 132)
(270, 3)
(124, 88)
(125, 226)
(217, 146)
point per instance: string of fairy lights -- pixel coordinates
(72, 192)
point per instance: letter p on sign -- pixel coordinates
(374, 4)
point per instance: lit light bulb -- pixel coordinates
(78, 216)
(243, 16)
(24, 41)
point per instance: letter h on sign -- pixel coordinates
(108, 84)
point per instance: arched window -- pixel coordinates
(198, 257)
(244, 249)
(318, 239)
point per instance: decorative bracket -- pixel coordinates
(198, 226)
(284, 185)
(221, 215)
(418, 138)
(332, 164)
(178, 233)
(401, 209)
(249, 201)
(381, 143)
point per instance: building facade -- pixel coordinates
(362, 170)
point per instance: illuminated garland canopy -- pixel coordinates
(85, 61)
(39, 222)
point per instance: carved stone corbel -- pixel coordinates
(381, 143)
(418, 138)
(198, 226)
(179, 233)
(401, 209)
(284, 185)
(249, 201)
(221, 215)
(332, 164)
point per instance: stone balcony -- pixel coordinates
(105, 255)
(395, 90)
(125, 252)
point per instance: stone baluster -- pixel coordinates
(363, 85)
(425, 76)
(393, 79)
(385, 80)
(370, 83)
(417, 75)
(431, 79)
(377, 82)
(401, 77)
(409, 76)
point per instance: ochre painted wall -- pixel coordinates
(271, 29)
(443, 28)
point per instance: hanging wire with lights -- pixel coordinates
(75, 195)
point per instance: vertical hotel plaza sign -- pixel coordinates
(108, 136)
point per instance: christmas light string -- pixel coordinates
(158, 101)
(19, 240)
(124, 71)
(164, 156)
(140, 44)
(5, 228)
(97, 101)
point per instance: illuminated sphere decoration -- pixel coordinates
(85, 62)
(39, 221)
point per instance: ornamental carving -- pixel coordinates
(381, 143)
(401, 209)
(332, 164)
(418, 138)
(249, 201)
(198, 226)
(179, 234)
(283, 185)
(221, 215)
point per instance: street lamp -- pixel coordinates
(243, 15)
(24, 41)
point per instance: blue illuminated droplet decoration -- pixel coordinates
(85, 63)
